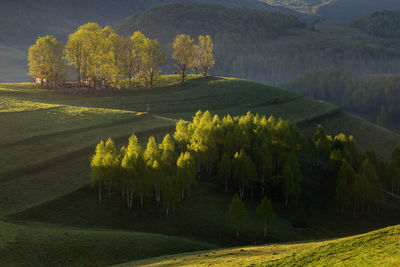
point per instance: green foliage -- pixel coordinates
(265, 213)
(237, 211)
(183, 53)
(46, 60)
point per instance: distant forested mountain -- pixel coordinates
(260, 45)
(384, 24)
(337, 10)
(305, 6)
(22, 20)
(349, 10)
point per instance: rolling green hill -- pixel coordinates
(49, 138)
(372, 249)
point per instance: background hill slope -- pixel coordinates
(23, 21)
(337, 10)
(264, 46)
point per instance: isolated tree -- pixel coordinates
(265, 213)
(206, 57)
(112, 51)
(133, 165)
(46, 60)
(110, 164)
(288, 183)
(138, 42)
(168, 155)
(345, 179)
(181, 134)
(322, 144)
(297, 175)
(186, 173)
(196, 63)
(183, 53)
(83, 50)
(244, 171)
(169, 184)
(237, 211)
(224, 170)
(152, 157)
(97, 169)
(127, 59)
(152, 58)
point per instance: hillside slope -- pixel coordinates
(63, 129)
(264, 46)
(350, 10)
(337, 10)
(375, 248)
(22, 21)
(50, 137)
(53, 245)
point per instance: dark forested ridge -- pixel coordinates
(337, 10)
(260, 45)
(22, 20)
(384, 24)
(306, 6)
(349, 10)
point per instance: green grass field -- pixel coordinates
(47, 139)
(378, 248)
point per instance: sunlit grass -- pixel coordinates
(378, 248)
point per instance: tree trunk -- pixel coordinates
(141, 199)
(99, 193)
(226, 183)
(265, 231)
(237, 232)
(78, 74)
(183, 73)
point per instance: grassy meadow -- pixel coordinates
(48, 210)
(378, 248)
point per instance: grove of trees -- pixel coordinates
(101, 58)
(250, 155)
